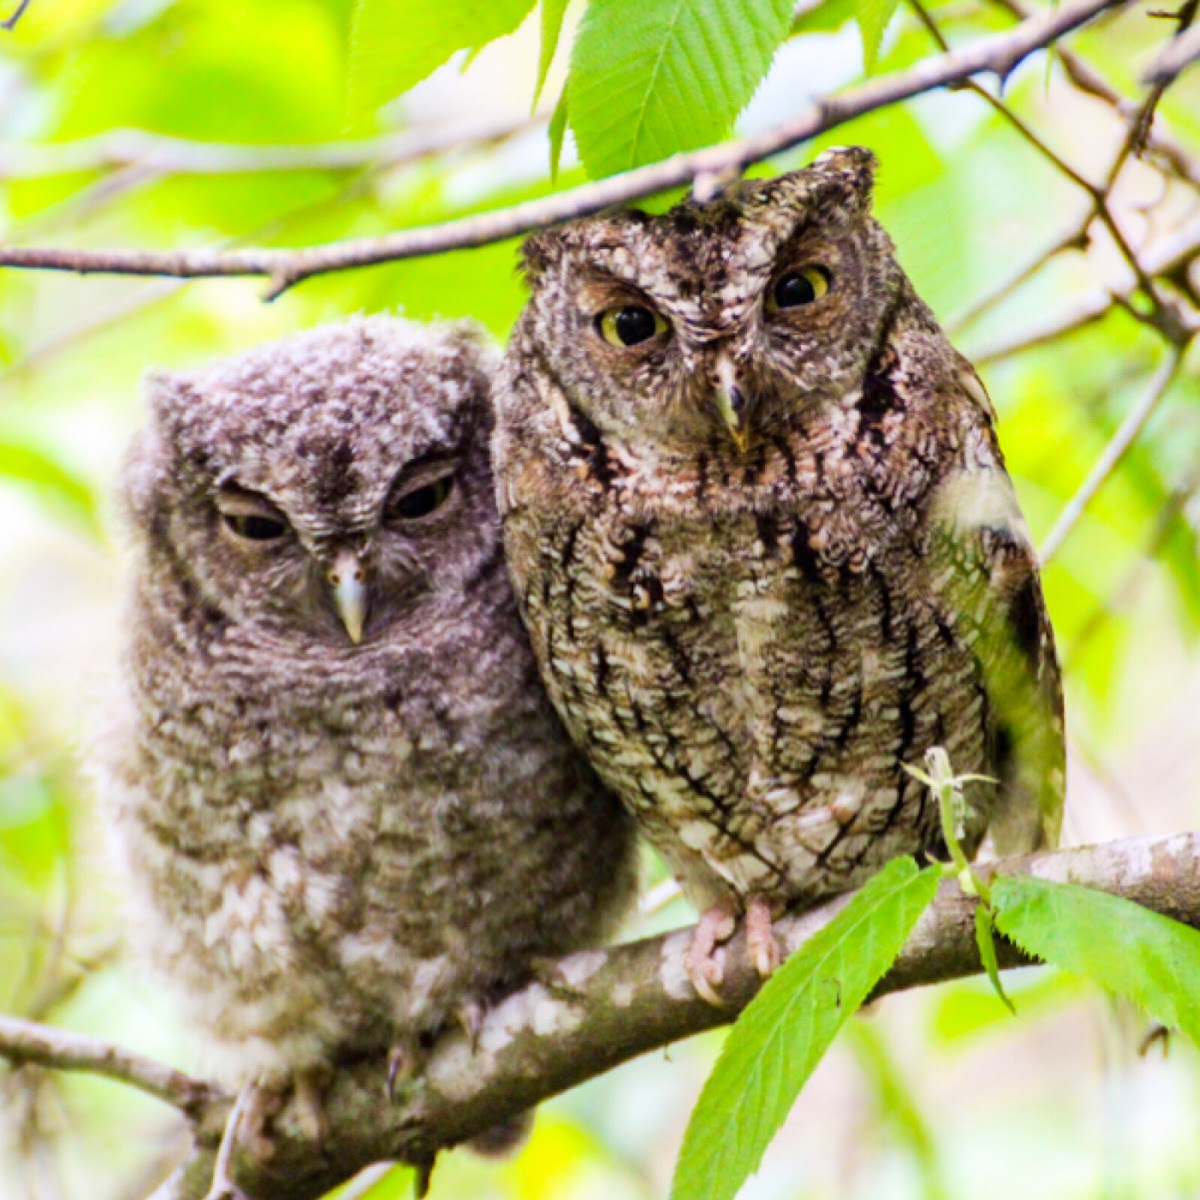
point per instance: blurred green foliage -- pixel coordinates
(945, 1094)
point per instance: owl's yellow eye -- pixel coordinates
(797, 288)
(629, 325)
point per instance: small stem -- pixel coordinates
(24, 1042)
(10, 23)
(1114, 452)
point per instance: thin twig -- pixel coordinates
(24, 1042)
(1022, 275)
(998, 55)
(10, 23)
(1114, 452)
(1166, 258)
(1164, 314)
(1089, 81)
(159, 154)
(1124, 594)
(1180, 53)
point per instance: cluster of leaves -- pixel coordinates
(645, 80)
(784, 1032)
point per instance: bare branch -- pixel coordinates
(998, 55)
(1167, 258)
(158, 154)
(1124, 594)
(10, 23)
(1114, 452)
(1179, 53)
(1089, 81)
(587, 1014)
(24, 1042)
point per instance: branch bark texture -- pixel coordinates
(587, 1014)
(998, 55)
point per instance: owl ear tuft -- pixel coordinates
(838, 185)
(847, 178)
(540, 252)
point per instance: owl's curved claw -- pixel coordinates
(401, 1063)
(705, 960)
(470, 1019)
(761, 944)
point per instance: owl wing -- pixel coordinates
(986, 569)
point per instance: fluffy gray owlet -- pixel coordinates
(346, 811)
(766, 547)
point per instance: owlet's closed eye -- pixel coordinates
(417, 498)
(251, 517)
(630, 325)
(798, 287)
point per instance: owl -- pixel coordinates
(346, 812)
(763, 538)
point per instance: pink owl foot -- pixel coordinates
(761, 943)
(705, 956)
(705, 960)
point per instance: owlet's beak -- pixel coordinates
(732, 403)
(348, 578)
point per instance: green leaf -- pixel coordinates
(784, 1032)
(986, 942)
(552, 19)
(873, 17)
(396, 43)
(1122, 946)
(557, 133)
(659, 76)
(822, 18)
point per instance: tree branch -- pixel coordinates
(587, 1014)
(24, 1042)
(10, 23)
(1178, 54)
(1114, 452)
(999, 55)
(158, 154)
(1166, 258)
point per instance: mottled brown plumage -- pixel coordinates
(764, 541)
(346, 812)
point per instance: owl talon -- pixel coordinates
(705, 961)
(470, 1020)
(402, 1061)
(761, 943)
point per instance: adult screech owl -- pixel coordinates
(764, 541)
(346, 810)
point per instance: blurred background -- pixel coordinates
(938, 1093)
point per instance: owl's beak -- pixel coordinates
(347, 576)
(732, 403)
